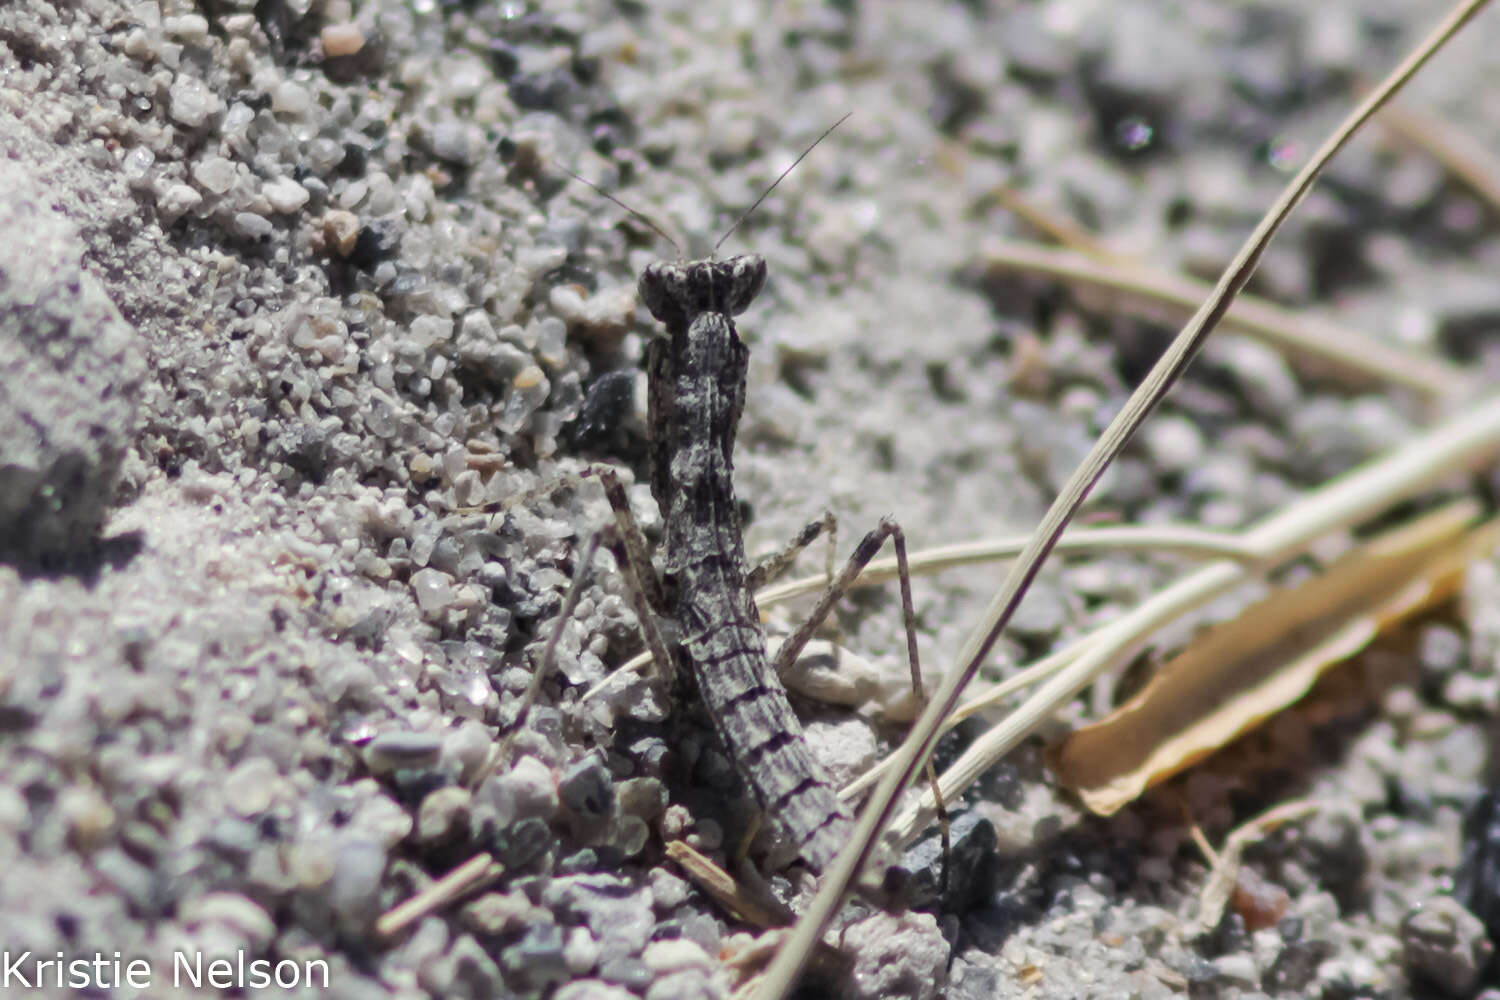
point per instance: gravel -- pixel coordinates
(73, 374)
(305, 339)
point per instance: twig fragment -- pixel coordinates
(478, 871)
(725, 890)
(1323, 346)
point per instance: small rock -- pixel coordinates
(309, 863)
(88, 816)
(129, 878)
(630, 973)
(667, 890)
(402, 750)
(581, 952)
(187, 27)
(972, 981)
(618, 914)
(585, 860)
(606, 411)
(829, 673)
(609, 309)
(233, 836)
(675, 956)
(467, 749)
(594, 989)
(1442, 650)
(191, 102)
(846, 748)
(214, 174)
(972, 841)
(1237, 969)
(285, 195)
(526, 791)
(444, 816)
(1340, 852)
(587, 788)
(1174, 443)
(244, 915)
(289, 98)
(642, 797)
(691, 984)
(497, 913)
(251, 226)
(1043, 612)
(522, 842)
(449, 142)
(1296, 965)
(466, 972)
(537, 961)
(341, 231)
(897, 956)
(357, 870)
(426, 945)
(630, 835)
(1262, 374)
(176, 199)
(675, 823)
(699, 928)
(342, 39)
(382, 819)
(1445, 945)
(251, 787)
(434, 590)
(707, 835)
(1471, 692)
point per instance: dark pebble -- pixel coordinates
(522, 842)
(1296, 966)
(630, 973)
(587, 789)
(969, 864)
(377, 241)
(607, 404)
(1476, 884)
(536, 961)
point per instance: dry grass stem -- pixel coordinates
(1063, 230)
(1314, 344)
(1226, 862)
(724, 889)
(475, 873)
(1160, 539)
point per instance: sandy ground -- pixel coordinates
(289, 290)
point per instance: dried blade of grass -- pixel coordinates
(1243, 671)
(914, 752)
(1460, 443)
(1219, 888)
(1314, 344)
(1160, 539)
(477, 872)
(725, 890)
(1063, 230)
